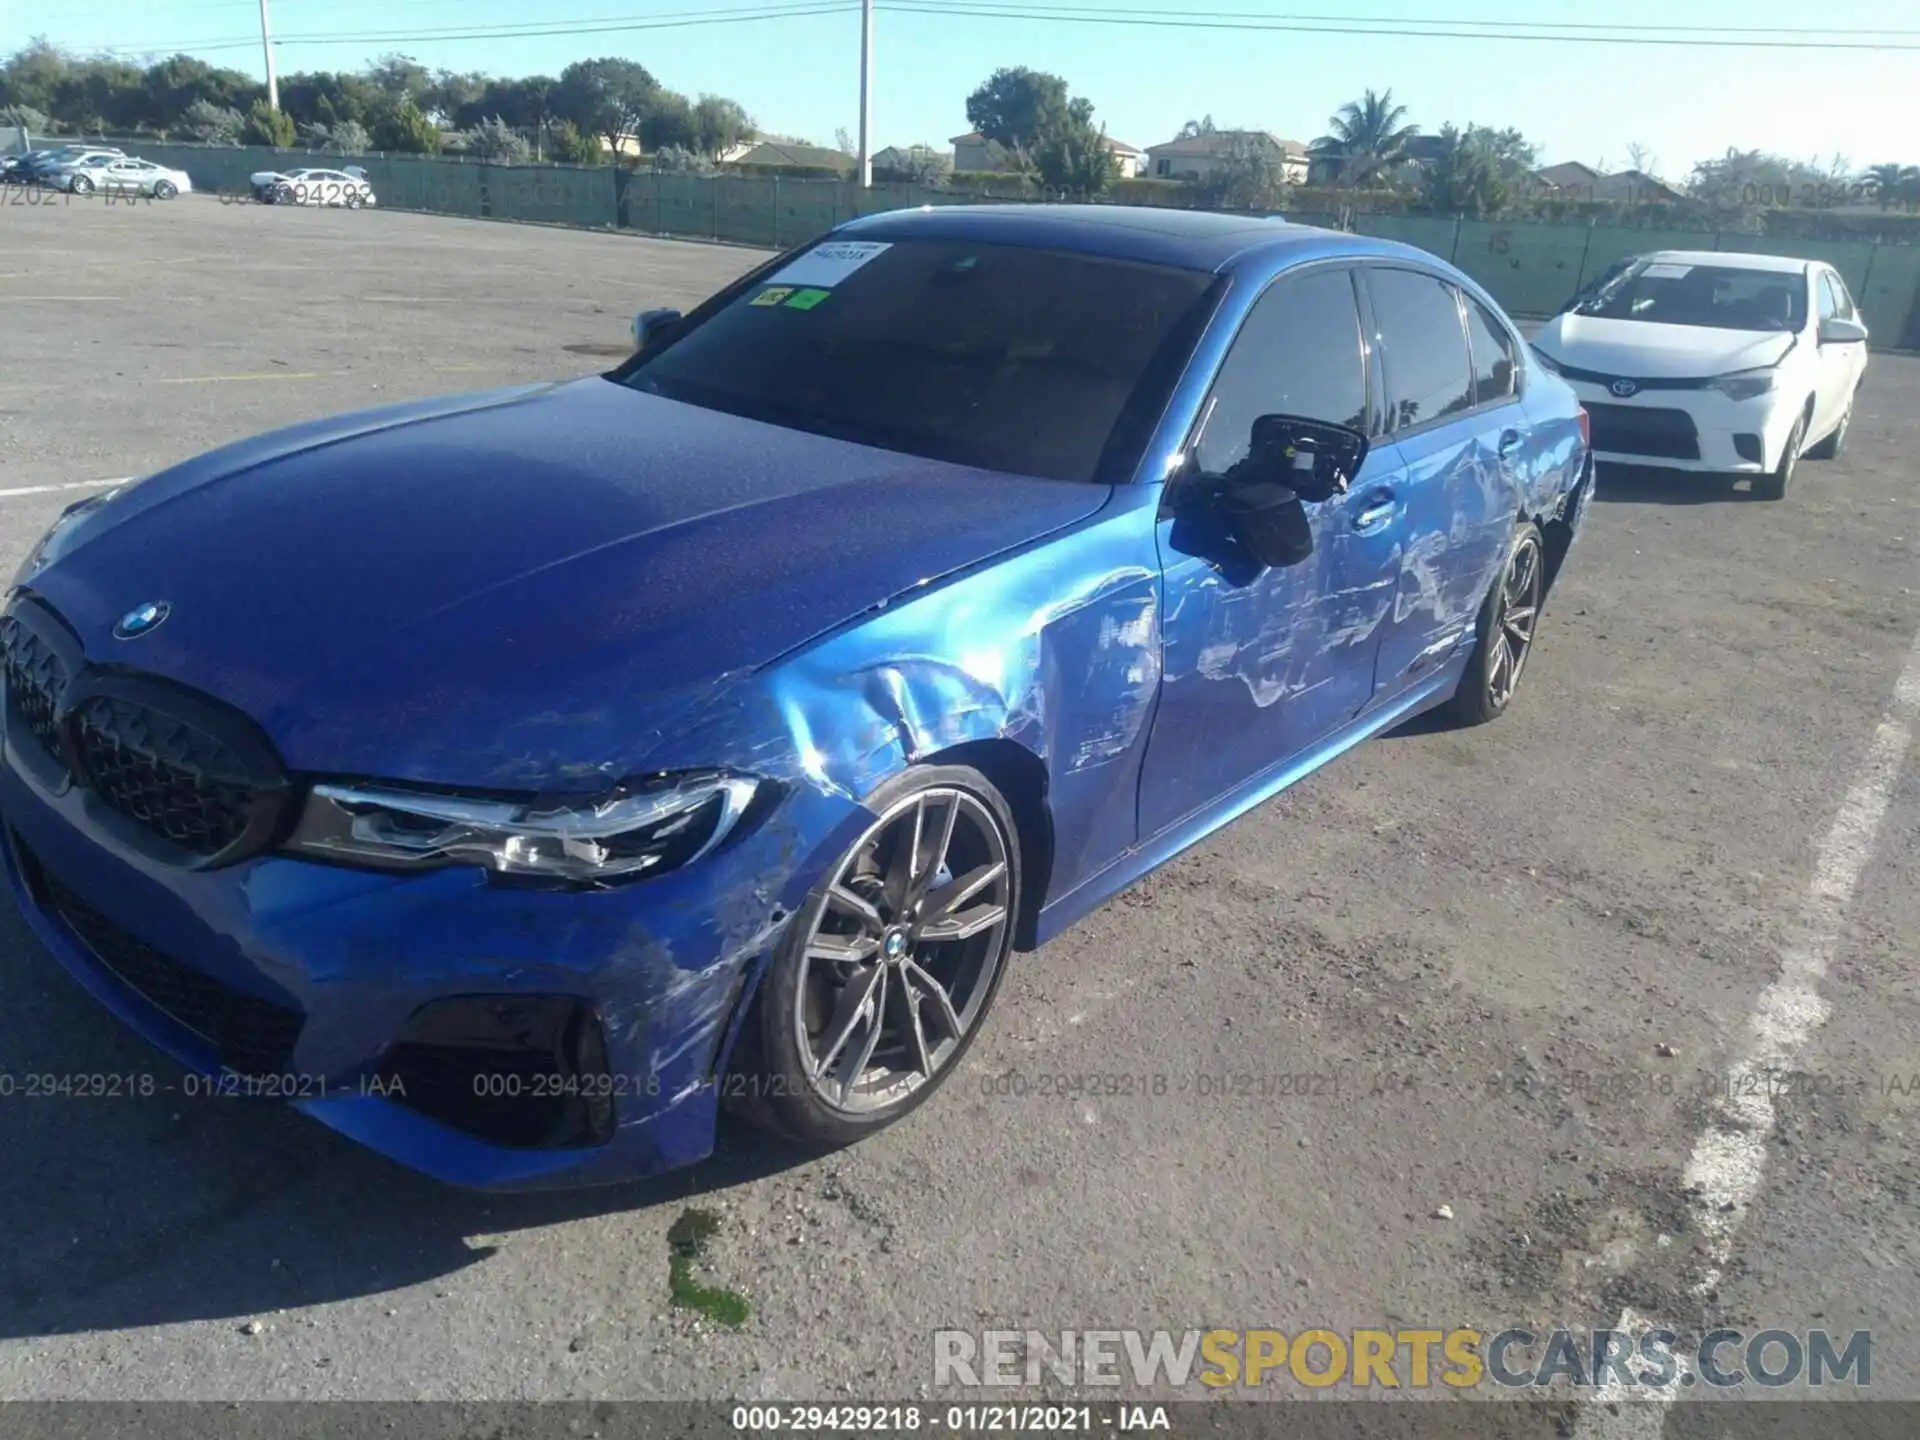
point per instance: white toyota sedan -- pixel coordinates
(1713, 361)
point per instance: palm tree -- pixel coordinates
(1368, 138)
(1894, 183)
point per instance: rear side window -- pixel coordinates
(1492, 355)
(1298, 353)
(1428, 372)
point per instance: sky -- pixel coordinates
(798, 74)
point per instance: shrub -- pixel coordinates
(267, 126)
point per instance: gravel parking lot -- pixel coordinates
(1526, 956)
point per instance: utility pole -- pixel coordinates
(266, 47)
(866, 91)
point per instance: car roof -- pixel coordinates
(1190, 239)
(1730, 260)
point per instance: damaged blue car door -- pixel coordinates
(1260, 664)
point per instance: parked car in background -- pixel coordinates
(311, 187)
(1714, 361)
(120, 175)
(37, 165)
(717, 728)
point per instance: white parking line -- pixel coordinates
(1729, 1158)
(50, 489)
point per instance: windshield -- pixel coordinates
(1032, 362)
(1720, 297)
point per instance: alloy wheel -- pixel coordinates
(1517, 612)
(904, 951)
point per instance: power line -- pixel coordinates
(1171, 20)
(670, 20)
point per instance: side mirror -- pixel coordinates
(1268, 521)
(650, 326)
(1836, 331)
(1314, 459)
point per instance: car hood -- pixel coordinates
(1665, 352)
(521, 586)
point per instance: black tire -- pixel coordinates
(1835, 445)
(353, 200)
(165, 190)
(82, 185)
(1773, 485)
(283, 195)
(1500, 650)
(776, 1084)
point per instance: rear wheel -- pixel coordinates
(82, 185)
(165, 190)
(283, 195)
(1773, 486)
(888, 971)
(353, 200)
(1508, 620)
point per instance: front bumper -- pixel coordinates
(356, 955)
(1693, 429)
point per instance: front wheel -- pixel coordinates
(82, 185)
(165, 190)
(887, 973)
(1835, 445)
(1508, 620)
(1773, 485)
(283, 195)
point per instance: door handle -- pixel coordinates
(1378, 510)
(1509, 442)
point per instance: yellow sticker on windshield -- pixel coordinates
(807, 299)
(773, 296)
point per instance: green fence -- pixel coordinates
(1530, 267)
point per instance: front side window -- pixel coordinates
(1720, 297)
(1033, 362)
(1829, 305)
(1298, 353)
(1429, 374)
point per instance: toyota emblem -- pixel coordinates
(1624, 388)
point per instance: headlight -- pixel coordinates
(1744, 384)
(62, 535)
(1547, 362)
(641, 829)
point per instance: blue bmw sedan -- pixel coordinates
(509, 781)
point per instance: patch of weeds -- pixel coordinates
(686, 1243)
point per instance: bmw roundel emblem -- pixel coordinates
(1624, 388)
(142, 618)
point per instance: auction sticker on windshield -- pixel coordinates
(827, 265)
(772, 296)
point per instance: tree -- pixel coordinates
(267, 126)
(1744, 179)
(719, 124)
(571, 147)
(32, 76)
(1017, 108)
(405, 128)
(1072, 156)
(400, 75)
(1368, 138)
(498, 143)
(1479, 171)
(212, 124)
(1195, 128)
(918, 165)
(608, 98)
(1249, 172)
(682, 161)
(1894, 184)
(1641, 157)
(668, 124)
(450, 92)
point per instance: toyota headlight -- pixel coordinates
(62, 535)
(1745, 384)
(642, 829)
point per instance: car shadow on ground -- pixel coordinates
(1650, 485)
(137, 1210)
